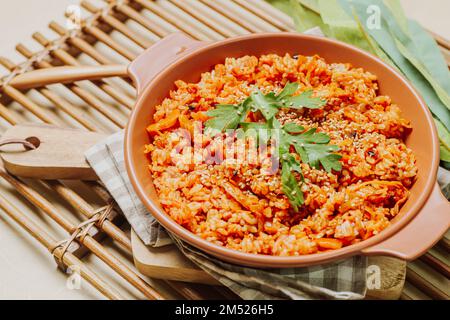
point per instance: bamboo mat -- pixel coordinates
(116, 32)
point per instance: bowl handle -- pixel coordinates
(156, 58)
(420, 234)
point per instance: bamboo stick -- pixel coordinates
(80, 44)
(39, 201)
(189, 20)
(440, 40)
(121, 269)
(264, 14)
(99, 190)
(253, 18)
(405, 296)
(276, 14)
(166, 10)
(87, 210)
(26, 102)
(186, 290)
(425, 286)
(69, 109)
(29, 105)
(49, 242)
(155, 30)
(177, 21)
(436, 263)
(110, 42)
(239, 16)
(98, 105)
(6, 114)
(118, 25)
(445, 244)
(210, 18)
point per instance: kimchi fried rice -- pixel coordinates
(239, 205)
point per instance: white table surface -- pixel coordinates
(26, 269)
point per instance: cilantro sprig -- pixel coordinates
(312, 148)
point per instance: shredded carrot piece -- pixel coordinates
(378, 183)
(199, 116)
(249, 202)
(165, 123)
(186, 124)
(329, 243)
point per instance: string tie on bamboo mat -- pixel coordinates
(80, 232)
(20, 69)
(102, 214)
(39, 56)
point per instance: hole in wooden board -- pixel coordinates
(34, 141)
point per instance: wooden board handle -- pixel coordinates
(59, 153)
(66, 74)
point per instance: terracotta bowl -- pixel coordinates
(423, 219)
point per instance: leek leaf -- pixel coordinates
(444, 137)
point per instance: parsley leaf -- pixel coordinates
(312, 147)
(293, 128)
(259, 130)
(289, 90)
(290, 159)
(320, 153)
(227, 116)
(270, 103)
(304, 100)
(290, 186)
(267, 104)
